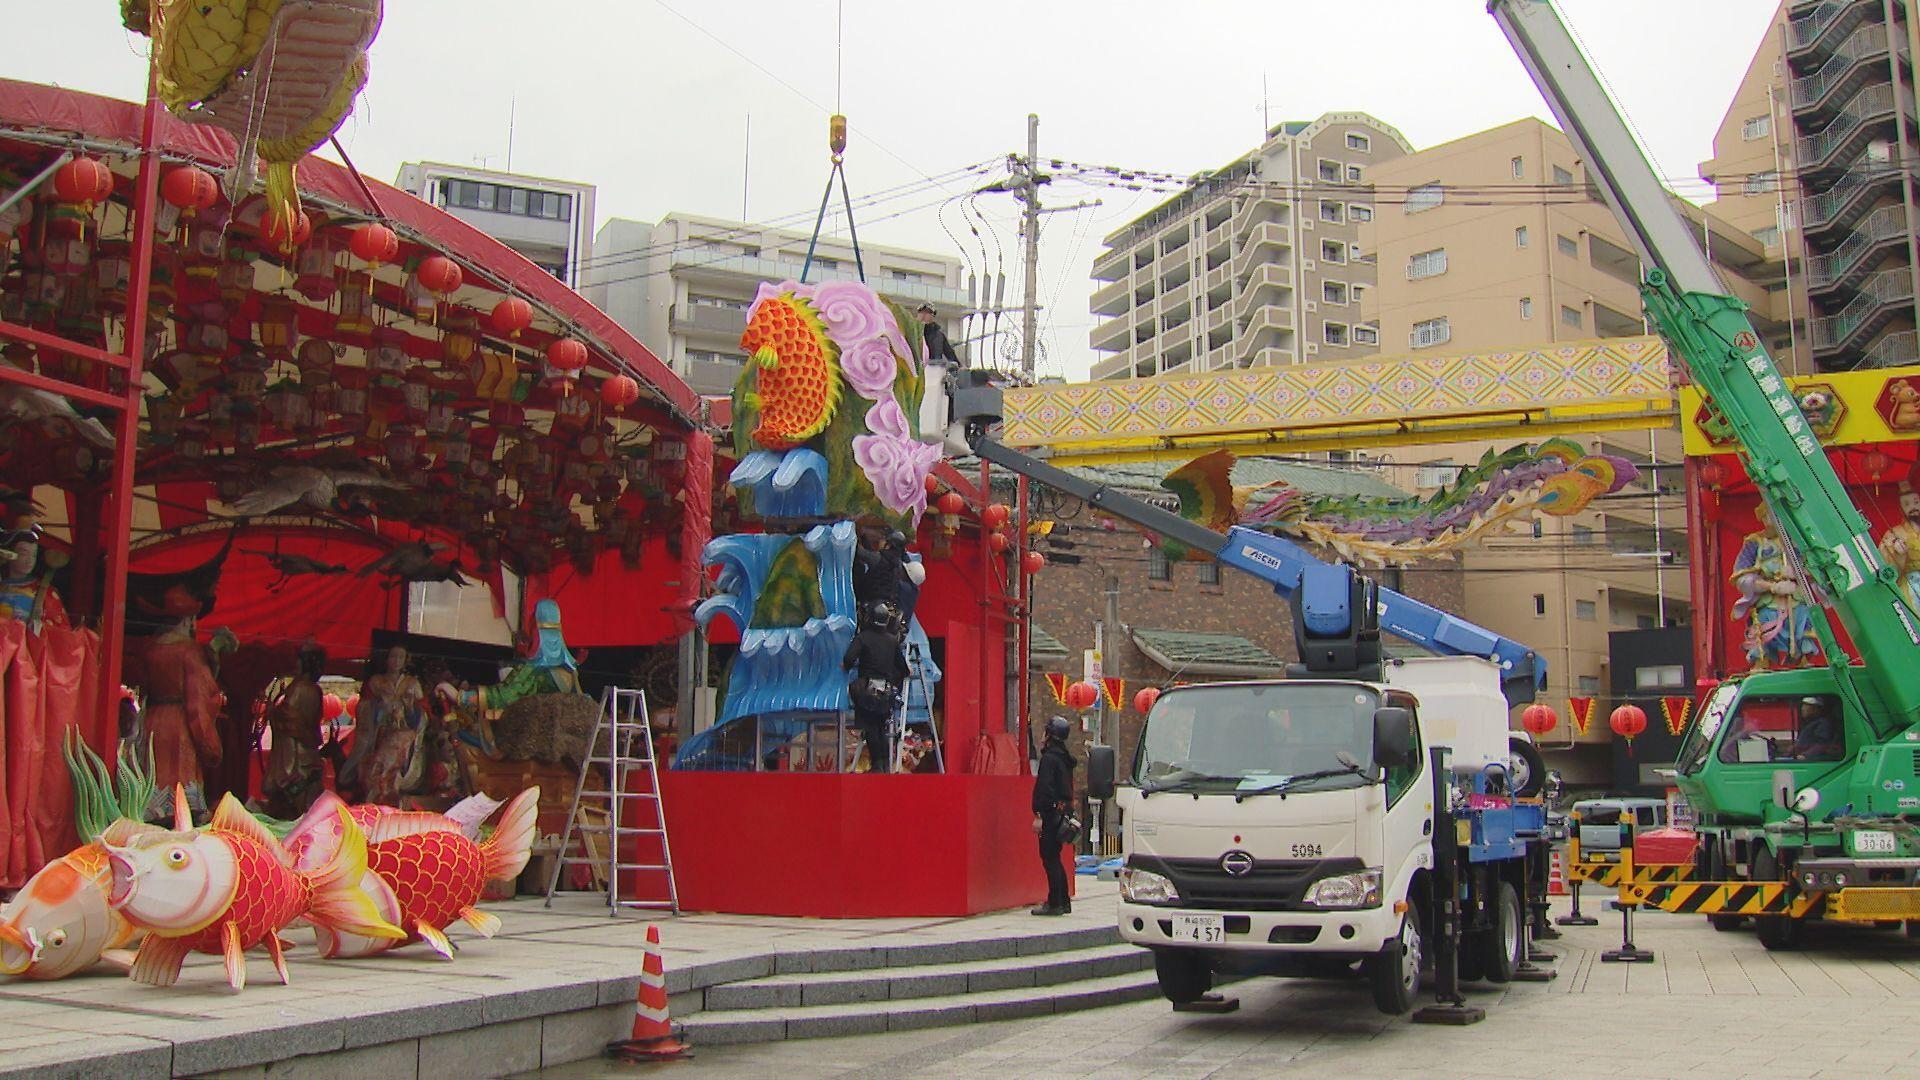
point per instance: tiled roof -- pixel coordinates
(1207, 654)
(1045, 644)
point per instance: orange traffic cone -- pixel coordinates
(653, 1038)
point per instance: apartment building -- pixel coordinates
(1810, 159)
(683, 285)
(548, 221)
(1259, 263)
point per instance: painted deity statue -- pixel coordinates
(1900, 545)
(1778, 611)
(385, 761)
(26, 593)
(292, 780)
(183, 702)
(550, 670)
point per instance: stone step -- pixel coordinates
(929, 980)
(723, 1027)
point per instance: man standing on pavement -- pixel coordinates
(1052, 797)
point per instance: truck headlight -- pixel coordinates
(1360, 889)
(1146, 887)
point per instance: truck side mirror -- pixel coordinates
(1392, 737)
(1100, 772)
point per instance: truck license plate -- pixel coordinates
(1869, 841)
(1205, 929)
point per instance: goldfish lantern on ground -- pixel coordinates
(1082, 695)
(1143, 701)
(1538, 719)
(510, 316)
(1628, 721)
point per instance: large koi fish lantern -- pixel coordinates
(826, 428)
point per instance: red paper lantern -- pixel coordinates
(1875, 463)
(275, 231)
(83, 180)
(933, 484)
(619, 392)
(1712, 474)
(352, 706)
(511, 315)
(439, 274)
(1628, 721)
(995, 515)
(1538, 719)
(1143, 701)
(998, 541)
(374, 243)
(1082, 695)
(567, 355)
(190, 189)
(330, 707)
(1032, 562)
(951, 503)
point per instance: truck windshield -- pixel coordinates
(1217, 738)
(1699, 741)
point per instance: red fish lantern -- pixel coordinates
(510, 316)
(1143, 701)
(1033, 562)
(1082, 695)
(619, 391)
(1628, 721)
(1538, 719)
(374, 244)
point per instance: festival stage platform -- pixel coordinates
(554, 987)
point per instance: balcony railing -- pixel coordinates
(1870, 104)
(1816, 21)
(1879, 291)
(730, 322)
(1866, 43)
(1884, 224)
(1894, 350)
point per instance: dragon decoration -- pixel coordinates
(281, 75)
(826, 431)
(1556, 477)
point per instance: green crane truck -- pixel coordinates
(1805, 782)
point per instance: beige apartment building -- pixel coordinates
(1259, 263)
(1808, 160)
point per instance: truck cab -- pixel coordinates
(1286, 827)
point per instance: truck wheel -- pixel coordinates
(1526, 769)
(1776, 932)
(1500, 945)
(1715, 869)
(1394, 971)
(1185, 977)
(1913, 929)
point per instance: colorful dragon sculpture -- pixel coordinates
(1556, 477)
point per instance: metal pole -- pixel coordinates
(1030, 230)
(1659, 549)
(113, 609)
(39, 178)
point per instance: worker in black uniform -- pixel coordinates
(879, 667)
(939, 349)
(878, 569)
(1052, 798)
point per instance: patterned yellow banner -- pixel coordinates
(1628, 376)
(1842, 408)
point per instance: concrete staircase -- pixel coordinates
(868, 991)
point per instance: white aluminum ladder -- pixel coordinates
(622, 746)
(897, 729)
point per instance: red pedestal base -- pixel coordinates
(851, 847)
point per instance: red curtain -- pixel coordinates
(48, 683)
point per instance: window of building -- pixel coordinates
(1209, 573)
(1756, 127)
(1334, 333)
(1567, 245)
(1366, 335)
(1333, 292)
(1329, 171)
(1158, 569)
(1333, 251)
(1643, 622)
(1426, 264)
(712, 357)
(1424, 197)
(1519, 166)
(1589, 685)
(1520, 236)
(1429, 332)
(1586, 610)
(1561, 176)
(825, 263)
(1539, 603)
(1659, 677)
(1353, 174)
(1435, 474)
(1357, 141)
(1769, 235)
(1582, 534)
(1538, 529)
(1526, 307)
(1356, 212)
(1332, 211)
(1760, 183)
(1572, 317)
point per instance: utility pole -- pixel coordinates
(1029, 195)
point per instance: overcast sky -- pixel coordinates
(648, 99)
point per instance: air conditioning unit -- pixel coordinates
(1313, 305)
(1306, 265)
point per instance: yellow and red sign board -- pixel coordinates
(1843, 408)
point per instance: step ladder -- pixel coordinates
(622, 749)
(897, 729)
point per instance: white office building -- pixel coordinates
(548, 221)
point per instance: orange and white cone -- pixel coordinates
(653, 1038)
(1557, 877)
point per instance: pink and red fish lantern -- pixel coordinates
(434, 869)
(234, 887)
